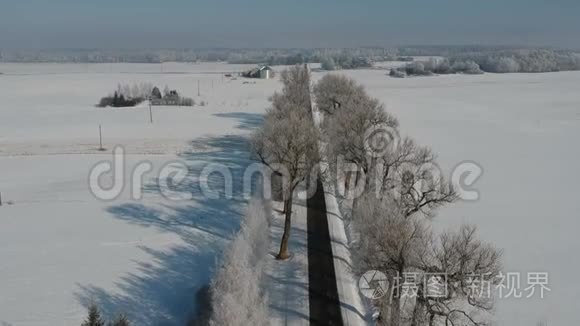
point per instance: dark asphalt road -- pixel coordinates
(323, 292)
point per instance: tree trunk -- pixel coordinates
(386, 304)
(396, 311)
(396, 298)
(355, 200)
(283, 254)
(277, 186)
(419, 311)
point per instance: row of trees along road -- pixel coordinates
(401, 188)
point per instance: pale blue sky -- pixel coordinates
(296, 23)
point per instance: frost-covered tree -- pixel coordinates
(287, 145)
(327, 63)
(351, 129)
(409, 174)
(468, 264)
(237, 296)
(398, 245)
(391, 244)
(287, 141)
(352, 122)
(295, 91)
(334, 91)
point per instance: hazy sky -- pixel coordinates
(276, 23)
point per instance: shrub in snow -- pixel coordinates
(397, 73)
(127, 96)
(466, 67)
(236, 291)
(417, 69)
(118, 101)
(94, 318)
(186, 101)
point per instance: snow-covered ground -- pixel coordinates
(61, 248)
(523, 129)
(286, 282)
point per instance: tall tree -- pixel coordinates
(287, 141)
(400, 245)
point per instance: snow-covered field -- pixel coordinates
(523, 129)
(61, 248)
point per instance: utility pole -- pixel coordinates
(198, 93)
(150, 112)
(100, 139)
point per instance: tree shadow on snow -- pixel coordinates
(165, 288)
(246, 121)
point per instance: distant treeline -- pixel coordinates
(331, 59)
(501, 61)
(437, 66)
(537, 60)
(340, 58)
(287, 56)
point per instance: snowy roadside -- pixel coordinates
(286, 282)
(354, 311)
